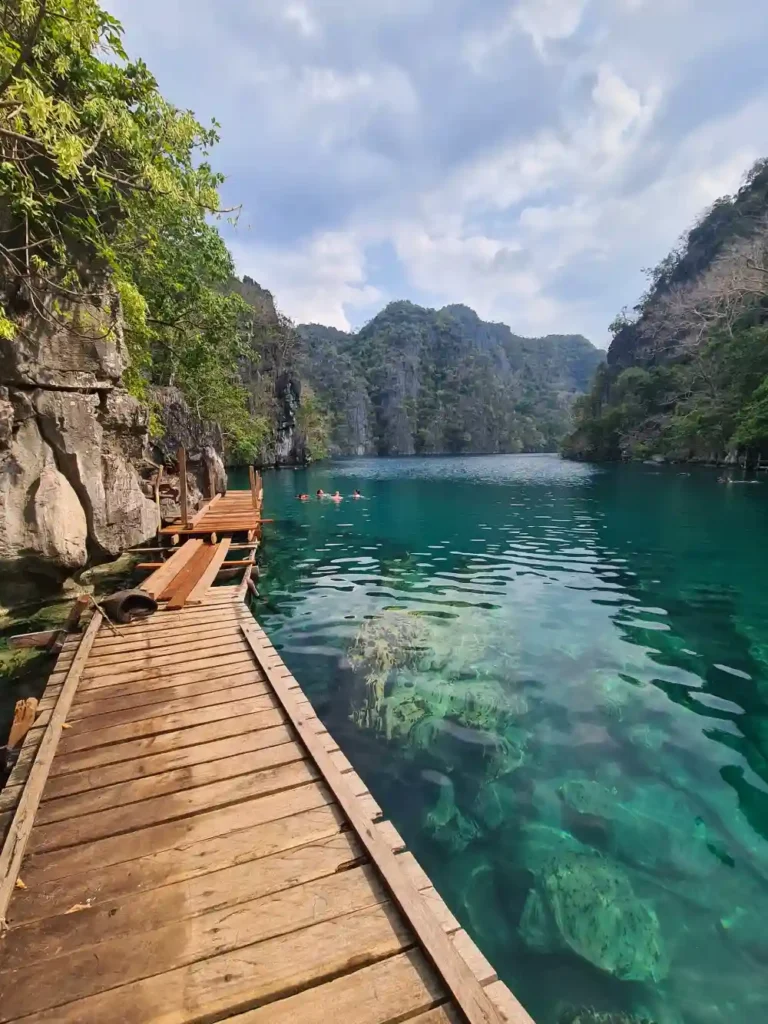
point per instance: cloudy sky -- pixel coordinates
(525, 157)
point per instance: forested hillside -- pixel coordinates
(423, 380)
(687, 370)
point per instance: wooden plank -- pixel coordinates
(205, 510)
(86, 739)
(165, 783)
(188, 642)
(182, 804)
(9, 796)
(126, 881)
(199, 591)
(179, 596)
(460, 980)
(183, 500)
(167, 676)
(40, 639)
(155, 584)
(512, 1012)
(171, 835)
(140, 712)
(228, 645)
(391, 990)
(155, 691)
(118, 752)
(136, 913)
(143, 697)
(156, 764)
(18, 834)
(167, 623)
(191, 569)
(209, 989)
(216, 625)
(123, 960)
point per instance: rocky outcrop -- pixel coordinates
(42, 523)
(75, 346)
(72, 447)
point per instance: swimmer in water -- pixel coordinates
(356, 494)
(303, 497)
(336, 497)
(320, 492)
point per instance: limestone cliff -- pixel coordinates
(77, 464)
(417, 380)
(72, 441)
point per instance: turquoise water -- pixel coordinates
(554, 680)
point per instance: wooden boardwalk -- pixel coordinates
(203, 851)
(233, 512)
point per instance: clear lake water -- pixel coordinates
(553, 677)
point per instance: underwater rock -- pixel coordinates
(597, 915)
(540, 843)
(538, 929)
(495, 804)
(445, 821)
(392, 640)
(653, 827)
(647, 736)
(589, 797)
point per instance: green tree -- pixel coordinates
(100, 175)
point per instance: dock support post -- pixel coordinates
(254, 492)
(182, 459)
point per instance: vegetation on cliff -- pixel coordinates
(100, 175)
(687, 370)
(423, 380)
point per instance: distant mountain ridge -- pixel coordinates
(417, 380)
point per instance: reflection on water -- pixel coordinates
(554, 680)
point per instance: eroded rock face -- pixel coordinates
(80, 347)
(42, 523)
(97, 443)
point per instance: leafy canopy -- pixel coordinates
(98, 172)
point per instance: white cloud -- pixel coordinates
(549, 20)
(298, 15)
(542, 21)
(322, 280)
(527, 157)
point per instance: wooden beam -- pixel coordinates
(180, 595)
(182, 460)
(254, 490)
(41, 639)
(205, 509)
(155, 584)
(197, 595)
(70, 624)
(458, 977)
(21, 827)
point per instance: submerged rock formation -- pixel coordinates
(585, 903)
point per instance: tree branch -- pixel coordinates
(25, 50)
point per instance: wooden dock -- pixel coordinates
(190, 845)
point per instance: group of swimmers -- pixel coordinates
(331, 497)
(336, 497)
